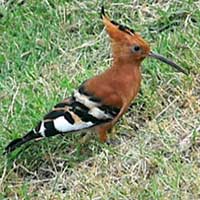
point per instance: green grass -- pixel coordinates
(47, 48)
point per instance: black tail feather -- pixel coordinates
(18, 142)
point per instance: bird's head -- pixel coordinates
(129, 46)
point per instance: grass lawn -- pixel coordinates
(47, 48)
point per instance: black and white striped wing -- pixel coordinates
(80, 111)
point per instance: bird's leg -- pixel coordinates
(122, 111)
(102, 134)
(102, 131)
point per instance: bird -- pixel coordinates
(100, 101)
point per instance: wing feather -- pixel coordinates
(82, 110)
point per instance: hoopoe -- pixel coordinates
(101, 100)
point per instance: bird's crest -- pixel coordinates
(115, 30)
(125, 41)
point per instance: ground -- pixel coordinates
(47, 49)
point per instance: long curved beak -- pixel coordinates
(167, 61)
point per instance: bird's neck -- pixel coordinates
(122, 80)
(127, 77)
(128, 71)
(125, 65)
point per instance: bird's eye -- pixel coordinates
(136, 48)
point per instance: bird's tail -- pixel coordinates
(19, 141)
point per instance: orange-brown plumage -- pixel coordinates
(100, 101)
(119, 84)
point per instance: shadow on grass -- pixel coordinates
(45, 159)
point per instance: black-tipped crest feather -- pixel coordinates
(102, 12)
(120, 27)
